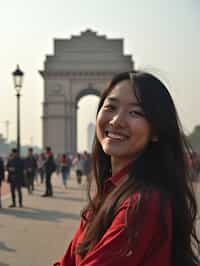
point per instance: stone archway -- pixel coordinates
(88, 91)
(80, 66)
(82, 119)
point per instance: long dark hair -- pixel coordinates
(162, 165)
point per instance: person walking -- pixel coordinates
(143, 210)
(40, 166)
(65, 164)
(79, 167)
(2, 176)
(87, 165)
(50, 167)
(15, 170)
(30, 167)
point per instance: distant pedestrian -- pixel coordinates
(2, 175)
(87, 165)
(40, 167)
(65, 164)
(30, 167)
(50, 167)
(15, 170)
(79, 167)
(58, 166)
(36, 179)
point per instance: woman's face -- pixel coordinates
(121, 127)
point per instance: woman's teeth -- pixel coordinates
(115, 136)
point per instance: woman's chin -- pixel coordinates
(111, 151)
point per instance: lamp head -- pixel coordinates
(18, 79)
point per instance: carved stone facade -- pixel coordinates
(80, 66)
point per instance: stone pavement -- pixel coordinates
(38, 234)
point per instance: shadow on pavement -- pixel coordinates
(39, 214)
(55, 187)
(76, 188)
(60, 195)
(57, 197)
(5, 248)
(3, 264)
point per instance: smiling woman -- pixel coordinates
(122, 129)
(144, 210)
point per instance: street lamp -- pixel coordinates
(18, 80)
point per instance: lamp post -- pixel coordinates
(18, 80)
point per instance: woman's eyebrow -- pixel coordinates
(115, 99)
(112, 99)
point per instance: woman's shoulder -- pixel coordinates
(140, 206)
(148, 198)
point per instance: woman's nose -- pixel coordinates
(118, 120)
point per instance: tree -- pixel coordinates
(194, 138)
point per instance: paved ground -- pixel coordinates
(38, 234)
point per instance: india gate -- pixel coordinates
(80, 66)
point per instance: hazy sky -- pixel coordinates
(161, 35)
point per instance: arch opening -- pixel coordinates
(86, 118)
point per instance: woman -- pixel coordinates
(87, 164)
(79, 167)
(2, 175)
(143, 211)
(40, 166)
(65, 169)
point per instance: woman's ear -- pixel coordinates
(154, 139)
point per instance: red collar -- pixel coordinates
(115, 178)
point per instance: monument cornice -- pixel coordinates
(45, 117)
(54, 102)
(67, 102)
(83, 75)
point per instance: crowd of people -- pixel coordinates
(38, 169)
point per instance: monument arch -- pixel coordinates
(88, 91)
(80, 66)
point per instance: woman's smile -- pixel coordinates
(115, 135)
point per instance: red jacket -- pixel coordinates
(114, 249)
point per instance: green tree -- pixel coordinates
(194, 138)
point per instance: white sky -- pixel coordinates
(161, 35)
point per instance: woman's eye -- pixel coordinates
(109, 107)
(136, 113)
